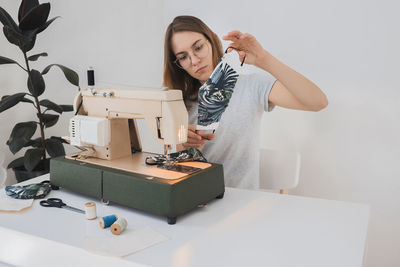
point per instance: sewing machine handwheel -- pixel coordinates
(220, 196)
(171, 220)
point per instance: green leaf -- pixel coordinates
(7, 20)
(19, 162)
(26, 100)
(54, 147)
(25, 41)
(25, 7)
(4, 60)
(35, 57)
(20, 135)
(32, 158)
(23, 99)
(37, 142)
(49, 119)
(44, 27)
(35, 18)
(36, 83)
(67, 108)
(10, 101)
(15, 36)
(71, 75)
(32, 37)
(51, 105)
(59, 139)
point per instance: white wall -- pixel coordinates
(351, 150)
(349, 48)
(122, 40)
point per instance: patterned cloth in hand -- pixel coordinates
(215, 93)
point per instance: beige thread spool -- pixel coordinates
(119, 226)
(90, 210)
(107, 221)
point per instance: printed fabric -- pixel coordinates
(30, 191)
(215, 93)
(190, 154)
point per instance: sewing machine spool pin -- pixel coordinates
(90, 78)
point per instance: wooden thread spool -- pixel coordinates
(119, 226)
(90, 210)
(107, 221)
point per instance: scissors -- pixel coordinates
(58, 203)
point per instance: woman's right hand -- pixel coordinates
(197, 139)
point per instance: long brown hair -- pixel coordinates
(175, 77)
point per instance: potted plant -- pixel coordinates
(33, 19)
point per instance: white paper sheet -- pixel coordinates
(103, 242)
(11, 204)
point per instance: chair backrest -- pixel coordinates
(279, 169)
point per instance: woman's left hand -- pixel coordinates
(246, 45)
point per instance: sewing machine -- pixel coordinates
(111, 165)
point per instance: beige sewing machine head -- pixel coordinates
(106, 120)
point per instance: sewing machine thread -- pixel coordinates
(119, 226)
(90, 210)
(107, 221)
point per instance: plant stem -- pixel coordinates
(37, 106)
(22, 67)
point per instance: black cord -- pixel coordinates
(79, 107)
(244, 58)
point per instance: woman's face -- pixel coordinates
(195, 50)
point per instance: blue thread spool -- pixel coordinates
(107, 221)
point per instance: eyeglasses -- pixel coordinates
(200, 50)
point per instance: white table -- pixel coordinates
(245, 228)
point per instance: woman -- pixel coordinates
(191, 52)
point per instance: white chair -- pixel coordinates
(279, 169)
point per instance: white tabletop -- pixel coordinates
(245, 228)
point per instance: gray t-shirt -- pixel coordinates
(237, 139)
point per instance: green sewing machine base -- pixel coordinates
(163, 197)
